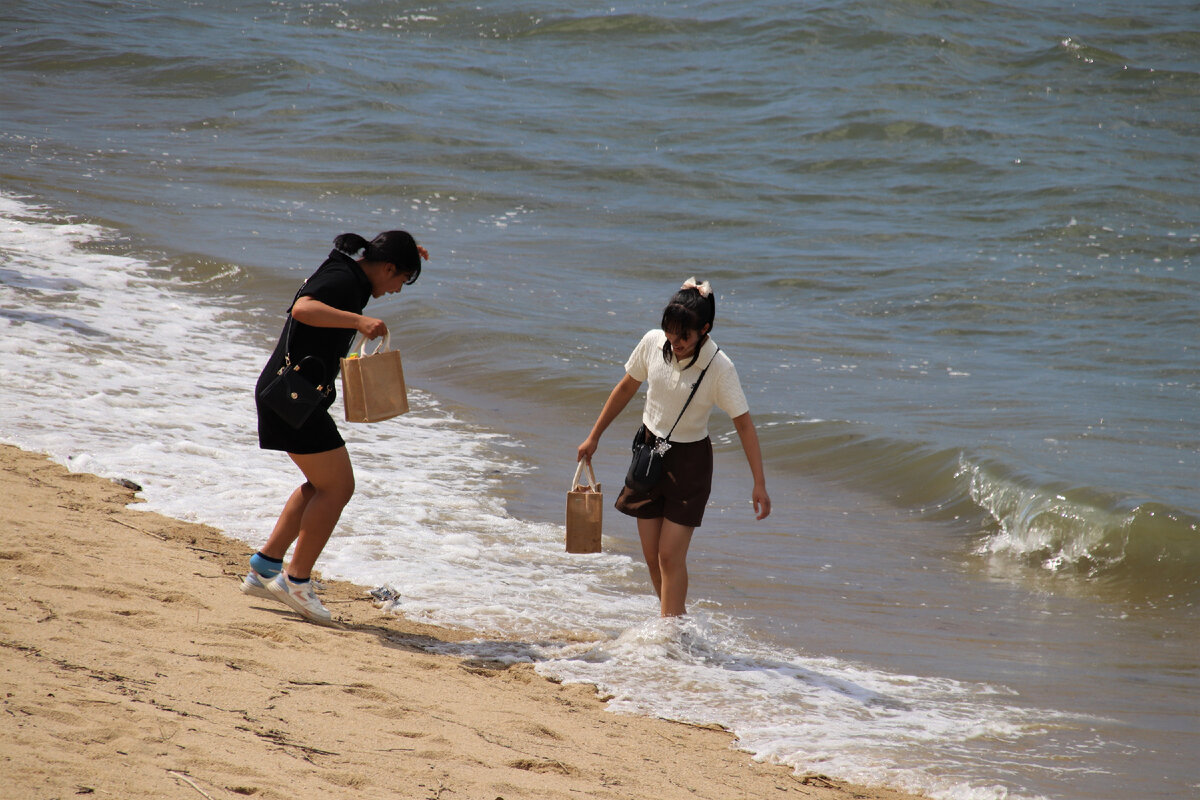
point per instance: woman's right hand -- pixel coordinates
(618, 398)
(371, 328)
(587, 450)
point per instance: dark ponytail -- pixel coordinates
(689, 310)
(393, 247)
(350, 243)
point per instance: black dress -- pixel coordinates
(341, 283)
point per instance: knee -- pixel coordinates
(338, 491)
(343, 490)
(671, 562)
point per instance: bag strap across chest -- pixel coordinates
(695, 386)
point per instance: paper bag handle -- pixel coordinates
(383, 346)
(591, 475)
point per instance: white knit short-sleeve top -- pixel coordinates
(668, 388)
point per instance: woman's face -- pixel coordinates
(393, 281)
(683, 343)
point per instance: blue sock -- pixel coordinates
(265, 565)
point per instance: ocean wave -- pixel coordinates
(890, 129)
(1142, 546)
(1087, 532)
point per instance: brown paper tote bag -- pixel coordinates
(585, 505)
(373, 384)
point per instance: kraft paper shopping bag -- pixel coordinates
(373, 384)
(585, 505)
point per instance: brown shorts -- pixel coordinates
(682, 494)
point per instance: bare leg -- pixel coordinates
(673, 546)
(665, 546)
(649, 531)
(312, 511)
(287, 527)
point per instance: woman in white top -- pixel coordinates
(672, 359)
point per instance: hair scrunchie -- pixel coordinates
(703, 288)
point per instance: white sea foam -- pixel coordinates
(111, 367)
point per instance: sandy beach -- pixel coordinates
(133, 667)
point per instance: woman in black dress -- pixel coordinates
(322, 322)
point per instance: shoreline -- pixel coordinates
(134, 667)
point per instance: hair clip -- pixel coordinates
(703, 288)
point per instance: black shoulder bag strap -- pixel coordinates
(287, 345)
(287, 339)
(695, 386)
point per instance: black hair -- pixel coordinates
(688, 311)
(394, 247)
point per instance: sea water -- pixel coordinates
(953, 247)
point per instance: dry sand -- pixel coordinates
(134, 668)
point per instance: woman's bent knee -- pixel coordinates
(329, 474)
(338, 490)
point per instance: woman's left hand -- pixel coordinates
(762, 501)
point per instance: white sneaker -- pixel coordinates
(299, 596)
(255, 585)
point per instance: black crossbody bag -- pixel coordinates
(291, 394)
(645, 470)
